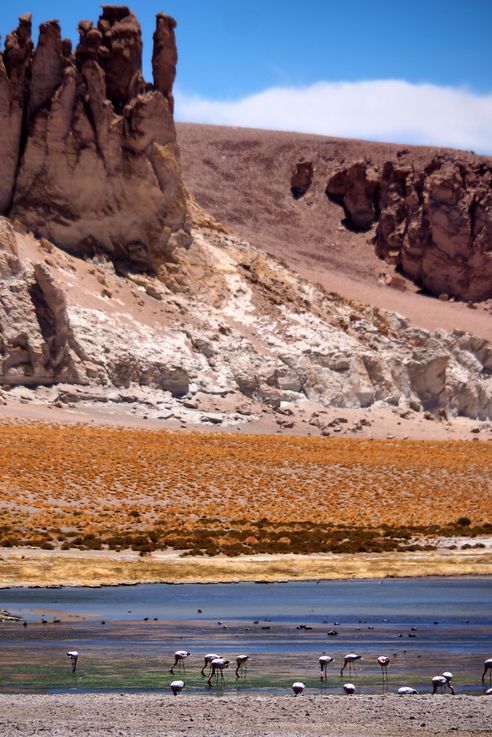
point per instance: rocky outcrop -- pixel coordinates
(433, 222)
(88, 148)
(14, 65)
(238, 329)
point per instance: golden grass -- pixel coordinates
(82, 568)
(92, 487)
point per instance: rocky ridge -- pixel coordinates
(229, 325)
(88, 148)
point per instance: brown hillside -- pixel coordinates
(243, 177)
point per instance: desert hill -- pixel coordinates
(244, 177)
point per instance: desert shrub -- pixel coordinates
(73, 485)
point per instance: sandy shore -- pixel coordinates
(149, 715)
(35, 567)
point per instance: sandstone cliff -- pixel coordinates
(88, 148)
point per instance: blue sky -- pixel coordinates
(411, 71)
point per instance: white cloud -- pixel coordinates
(382, 110)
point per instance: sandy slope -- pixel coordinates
(152, 715)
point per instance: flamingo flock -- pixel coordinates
(217, 664)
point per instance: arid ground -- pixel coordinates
(132, 715)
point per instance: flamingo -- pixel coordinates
(324, 660)
(349, 688)
(179, 658)
(441, 682)
(241, 668)
(384, 661)
(348, 660)
(298, 687)
(487, 666)
(177, 687)
(218, 665)
(73, 655)
(407, 691)
(488, 692)
(207, 661)
(449, 677)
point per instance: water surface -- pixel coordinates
(127, 634)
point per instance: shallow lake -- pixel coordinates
(126, 635)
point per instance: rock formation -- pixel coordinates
(88, 149)
(90, 165)
(433, 222)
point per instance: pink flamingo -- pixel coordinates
(349, 659)
(218, 665)
(177, 687)
(207, 661)
(487, 666)
(384, 661)
(324, 660)
(74, 656)
(179, 658)
(298, 687)
(241, 668)
(442, 682)
(349, 688)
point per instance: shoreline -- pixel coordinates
(28, 568)
(132, 715)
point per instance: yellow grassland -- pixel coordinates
(97, 478)
(105, 490)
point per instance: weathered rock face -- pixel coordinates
(14, 64)
(434, 223)
(36, 342)
(88, 149)
(439, 223)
